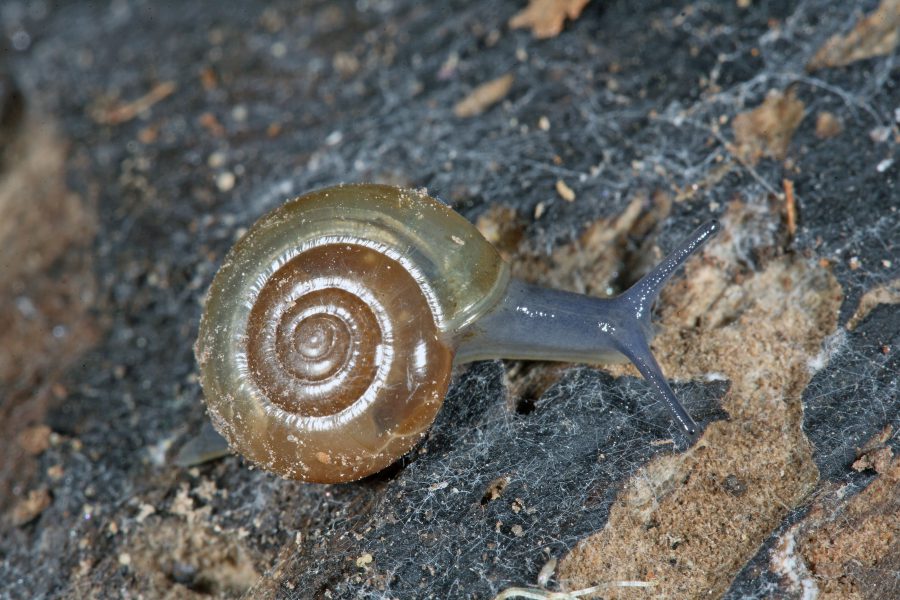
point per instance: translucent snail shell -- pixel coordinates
(330, 331)
(325, 347)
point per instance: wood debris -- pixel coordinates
(849, 548)
(34, 440)
(790, 207)
(29, 507)
(483, 97)
(495, 489)
(123, 113)
(877, 34)
(546, 17)
(767, 130)
(564, 191)
(878, 460)
(502, 227)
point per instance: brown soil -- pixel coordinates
(690, 521)
(842, 549)
(46, 290)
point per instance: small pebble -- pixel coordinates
(225, 181)
(216, 160)
(546, 572)
(183, 573)
(239, 113)
(880, 134)
(734, 486)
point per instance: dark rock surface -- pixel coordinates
(182, 122)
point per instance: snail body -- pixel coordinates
(330, 331)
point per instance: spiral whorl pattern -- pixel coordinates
(329, 327)
(344, 359)
(312, 343)
(325, 347)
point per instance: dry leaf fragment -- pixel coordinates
(546, 17)
(875, 35)
(767, 130)
(27, 509)
(483, 97)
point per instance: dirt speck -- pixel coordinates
(113, 112)
(828, 125)
(875, 454)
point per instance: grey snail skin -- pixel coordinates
(331, 330)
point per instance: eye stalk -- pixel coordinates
(537, 323)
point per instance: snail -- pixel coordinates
(331, 330)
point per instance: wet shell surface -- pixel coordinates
(326, 344)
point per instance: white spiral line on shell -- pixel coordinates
(384, 354)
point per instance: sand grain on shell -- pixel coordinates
(679, 520)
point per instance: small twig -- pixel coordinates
(790, 206)
(126, 112)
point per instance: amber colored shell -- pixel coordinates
(326, 343)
